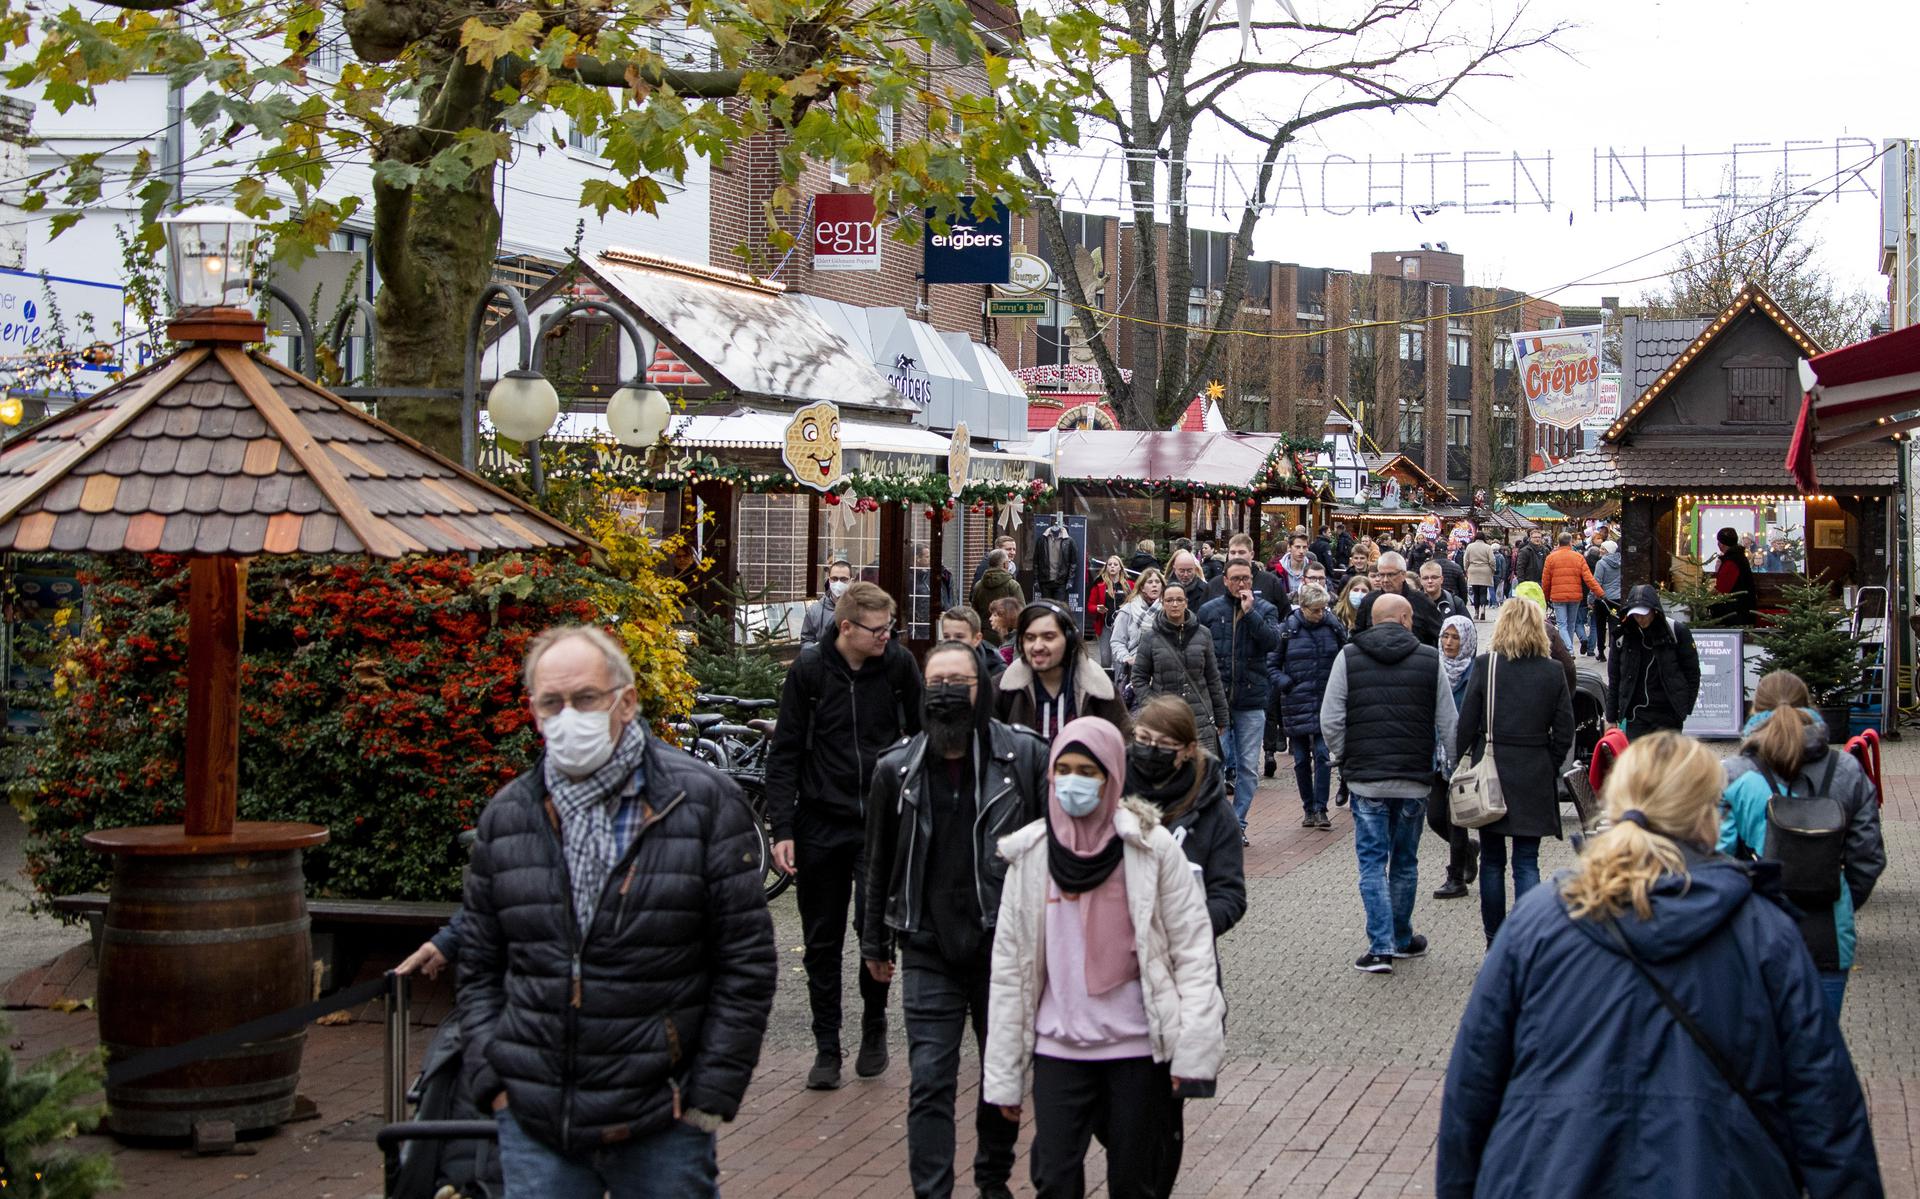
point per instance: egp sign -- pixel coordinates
(845, 235)
(969, 250)
(1559, 373)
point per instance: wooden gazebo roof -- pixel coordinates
(218, 451)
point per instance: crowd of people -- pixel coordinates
(1038, 829)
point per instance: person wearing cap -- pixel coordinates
(1653, 677)
(1053, 679)
(1105, 994)
(1607, 573)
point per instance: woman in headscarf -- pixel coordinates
(1105, 989)
(1458, 643)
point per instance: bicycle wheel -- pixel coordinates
(776, 879)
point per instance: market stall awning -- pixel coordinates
(1118, 457)
(1854, 395)
(744, 336)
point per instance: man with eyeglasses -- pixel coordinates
(847, 698)
(940, 803)
(616, 963)
(1391, 579)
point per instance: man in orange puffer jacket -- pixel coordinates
(1566, 579)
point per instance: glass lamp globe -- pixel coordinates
(638, 415)
(210, 256)
(523, 406)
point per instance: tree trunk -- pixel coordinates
(431, 277)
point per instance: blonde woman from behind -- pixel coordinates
(1564, 1029)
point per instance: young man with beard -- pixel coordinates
(940, 802)
(1054, 679)
(846, 700)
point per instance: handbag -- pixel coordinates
(1474, 796)
(1721, 1064)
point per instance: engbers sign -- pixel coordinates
(969, 250)
(1559, 374)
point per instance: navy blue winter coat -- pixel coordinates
(1241, 647)
(1570, 1077)
(1297, 671)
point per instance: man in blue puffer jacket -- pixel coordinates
(1310, 640)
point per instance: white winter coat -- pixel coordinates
(1186, 1013)
(1134, 618)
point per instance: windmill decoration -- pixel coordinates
(220, 453)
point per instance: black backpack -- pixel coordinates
(1807, 835)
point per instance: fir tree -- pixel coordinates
(1810, 638)
(41, 1106)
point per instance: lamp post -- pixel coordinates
(637, 414)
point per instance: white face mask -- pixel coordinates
(837, 588)
(578, 742)
(1078, 795)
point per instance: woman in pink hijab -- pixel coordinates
(1105, 990)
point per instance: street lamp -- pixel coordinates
(210, 257)
(637, 415)
(523, 405)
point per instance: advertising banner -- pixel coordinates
(1609, 410)
(971, 250)
(90, 316)
(845, 237)
(1721, 709)
(1559, 373)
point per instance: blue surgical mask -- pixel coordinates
(1078, 795)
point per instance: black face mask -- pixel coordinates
(1152, 763)
(948, 703)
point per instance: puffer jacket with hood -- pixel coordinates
(1745, 821)
(1655, 1117)
(1010, 786)
(1173, 940)
(1653, 675)
(1298, 669)
(1177, 659)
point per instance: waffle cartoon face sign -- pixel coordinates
(812, 451)
(959, 459)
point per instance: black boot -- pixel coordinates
(1271, 765)
(872, 1059)
(825, 1075)
(1453, 888)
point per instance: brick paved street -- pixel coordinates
(1331, 1088)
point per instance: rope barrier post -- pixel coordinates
(397, 1016)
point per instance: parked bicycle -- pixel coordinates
(739, 750)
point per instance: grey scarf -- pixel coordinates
(586, 808)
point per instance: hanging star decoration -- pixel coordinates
(1216, 389)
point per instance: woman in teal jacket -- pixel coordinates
(1786, 741)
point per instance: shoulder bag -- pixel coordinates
(1721, 1063)
(1474, 796)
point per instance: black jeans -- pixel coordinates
(1128, 1101)
(829, 859)
(1459, 840)
(1600, 614)
(940, 998)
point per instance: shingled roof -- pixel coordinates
(218, 451)
(1689, 470)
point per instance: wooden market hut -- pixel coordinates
(1183, 483)
(1400, 496)
(1704, 446)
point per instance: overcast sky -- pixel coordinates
(1658, 74)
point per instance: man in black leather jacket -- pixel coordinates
(940, 802)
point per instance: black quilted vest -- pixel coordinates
(1390, 691)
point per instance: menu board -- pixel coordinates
(1721, 707)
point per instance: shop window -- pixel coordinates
(1758, 389)
(771, 547)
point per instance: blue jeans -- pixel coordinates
(940, 997)
(1386, 838)
(675, 1163)
(1493, 876)
(1311, 771)
(1240, 745)
(1572, 620)
(1833, 986)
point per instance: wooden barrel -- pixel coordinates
(195, 943)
